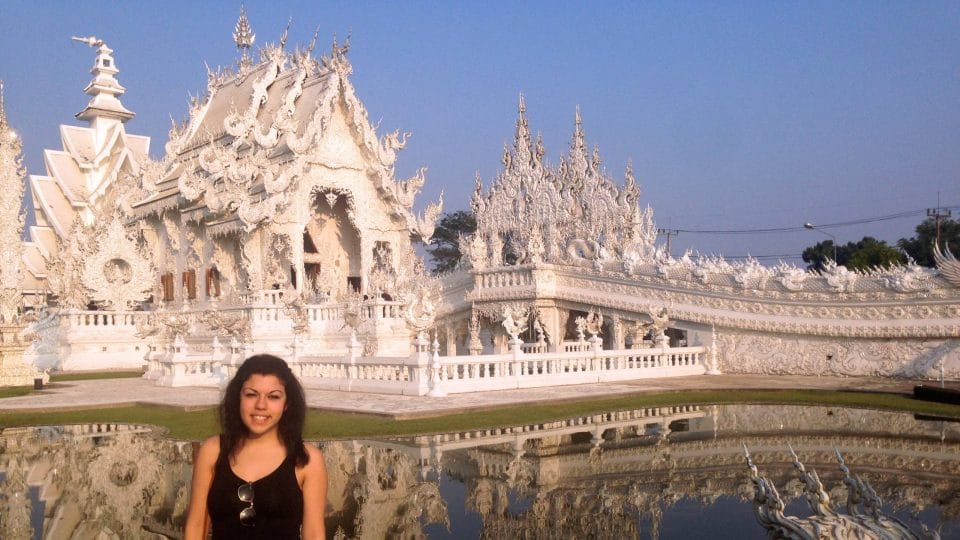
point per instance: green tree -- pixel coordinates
(920, 247)
(870, 252)
(816, 256)
(444, 248)
(866, 253)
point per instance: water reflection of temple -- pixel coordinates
(605, 475)
(92, 481)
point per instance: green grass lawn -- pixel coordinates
(91, 375)
(321, 425)
(15, 391)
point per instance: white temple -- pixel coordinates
(275, 223)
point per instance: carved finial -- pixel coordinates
(337, 51)
(522, 137)
(578, 146)
(91, 41)
(243, 34)
(578, 127)
(313, 42)
(286, 33)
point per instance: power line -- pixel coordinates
(768, 230)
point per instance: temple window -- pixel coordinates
(166, 285)
(213, 282)
(189, 282)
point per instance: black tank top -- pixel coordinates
(277, 499)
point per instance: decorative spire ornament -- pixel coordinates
(244, 37)
(104, 109)
(13, 370)
(11, 218)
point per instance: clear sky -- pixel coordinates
(736, 115)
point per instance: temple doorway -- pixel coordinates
(331, 248)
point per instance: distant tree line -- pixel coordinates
(870, 252)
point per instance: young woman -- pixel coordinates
(258, 479)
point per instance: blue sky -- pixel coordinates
(736, 115)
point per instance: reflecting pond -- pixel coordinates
(668, 472)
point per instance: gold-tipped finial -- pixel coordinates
(243, 34)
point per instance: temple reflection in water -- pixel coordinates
(659, 472)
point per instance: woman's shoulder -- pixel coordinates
(315, 456)
(209, 450)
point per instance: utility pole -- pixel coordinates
(938, 214)
(669, 233)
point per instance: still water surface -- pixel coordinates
(669, 472)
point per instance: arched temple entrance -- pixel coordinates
(331, 247)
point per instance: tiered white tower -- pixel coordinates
(13, 370)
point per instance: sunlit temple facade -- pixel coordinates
(274, 222)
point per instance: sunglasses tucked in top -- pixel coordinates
(271, 507)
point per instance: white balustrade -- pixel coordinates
(520, 277)
(460, 374)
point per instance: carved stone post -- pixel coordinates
(619, 338)
(713, 362)
(517, 350)
(421, 359)
(476, 346)
(355, 349)
(436, 375)
(596, 346)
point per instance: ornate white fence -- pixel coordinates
(328, 357)
(426, 373)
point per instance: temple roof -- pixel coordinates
(263, 127)
(235, 95)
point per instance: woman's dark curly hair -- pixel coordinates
(290, 428)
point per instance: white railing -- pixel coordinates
(499, 372)
(575, 346)
(376, 375)
(425, 373)
(539, 347)
(506, 277)
(103, 319)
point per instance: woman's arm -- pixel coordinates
(203, 469)
(314, 495)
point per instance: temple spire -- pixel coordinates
(3, 111)
(521, 143)
(104, 108)
(11, 219)
(244, 37)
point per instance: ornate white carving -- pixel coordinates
(116, 273)
(742, 352)
(947, 264)
(227, 323)
(514, 321)
(66, 269)
(11, 219)
(575, 211)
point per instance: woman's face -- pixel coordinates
(263, 399)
